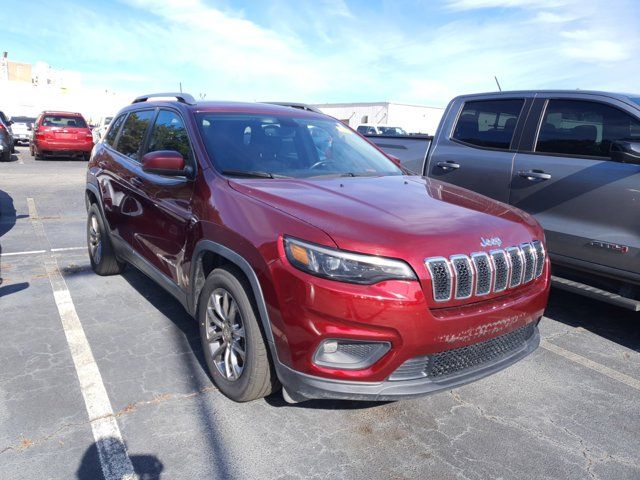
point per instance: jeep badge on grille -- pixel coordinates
(490, 242)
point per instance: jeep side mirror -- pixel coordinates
(165, 162)
(625, 152)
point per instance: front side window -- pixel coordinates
(112, 134)
(488, 123)
(289, 147)
(169, 133)
(586, 129)
(133, 132)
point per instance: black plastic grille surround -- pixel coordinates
(464, 359)
(462, 277)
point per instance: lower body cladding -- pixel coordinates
(382, 342)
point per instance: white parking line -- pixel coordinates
(585, 362)
(67, 249)
(34, 252)
(114, 459)
(30, 252)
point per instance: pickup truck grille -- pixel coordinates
(481, 273)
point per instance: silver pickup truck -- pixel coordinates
(571, 159)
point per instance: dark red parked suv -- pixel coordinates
(308, 257)
(61, 134)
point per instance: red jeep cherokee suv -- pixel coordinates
(309, 258)
(61, 134)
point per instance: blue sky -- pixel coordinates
(331, 50)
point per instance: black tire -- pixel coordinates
(257, 378)
(103, 258)
(6, 156)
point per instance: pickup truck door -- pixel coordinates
(475, 144)
(564, 176)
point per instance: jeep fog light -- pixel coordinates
(349, 354)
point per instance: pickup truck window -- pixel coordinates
(488, 123)
(583, 128)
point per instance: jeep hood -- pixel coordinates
(396, 216)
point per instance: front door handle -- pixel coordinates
(534, 175)
(449, 165)
(136, 182)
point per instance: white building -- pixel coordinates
(413, 118)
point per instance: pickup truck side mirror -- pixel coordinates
(625, 152)
(165, 162)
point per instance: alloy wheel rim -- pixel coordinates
(225, 334)
(95, 242)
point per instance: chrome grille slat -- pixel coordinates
(529, 257)
(502, 269)
(464, 273)
(540, 257)
(441, 278)
(516, 261)
(484, 273)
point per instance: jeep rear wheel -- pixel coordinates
(234, 346)
(103, 258)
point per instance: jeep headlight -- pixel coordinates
(344, 266)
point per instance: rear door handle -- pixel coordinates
(534, 175)
(136, 182)
(448, 165)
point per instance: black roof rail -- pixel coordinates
(299, 106)
(181, 97)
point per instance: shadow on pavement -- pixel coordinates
(173, 310)
(13, 288)
(8, 219)
(608, 321)
(147, 467)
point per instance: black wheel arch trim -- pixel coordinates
(197, 280)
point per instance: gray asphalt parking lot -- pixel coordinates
(569, 410)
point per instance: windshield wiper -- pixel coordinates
(249, 174)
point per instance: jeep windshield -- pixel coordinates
(261, 146)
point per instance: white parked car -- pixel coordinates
(101, 128)
(22, 128)
(366, 129)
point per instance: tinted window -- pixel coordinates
(290, 147)
(63, 121)
(169, 134)
(576, 127)
(113, 131)
(133, 132)
(488, 123)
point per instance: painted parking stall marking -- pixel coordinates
(114, 459)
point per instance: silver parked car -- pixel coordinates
(572, 160)
(22, 128)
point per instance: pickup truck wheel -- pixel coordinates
(234, 346)
(6, 156)
(103, 258)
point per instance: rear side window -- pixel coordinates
(586, 129)
(112, 134)
(169, 133)
(63, 121)
(133, 133)
(488, 123)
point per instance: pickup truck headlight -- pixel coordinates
(344, 266)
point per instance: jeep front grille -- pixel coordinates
(462, 276)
